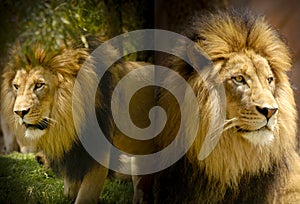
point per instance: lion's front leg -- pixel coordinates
(142, 189)
(10, 140)
(71, 188)
(91, 186)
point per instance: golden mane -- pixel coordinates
(70, 79)
(64, 64)
(220, 37)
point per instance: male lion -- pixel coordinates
(37, 101)
(255, 160)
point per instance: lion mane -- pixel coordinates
(83, 176)
(64, 64)
(235, 171)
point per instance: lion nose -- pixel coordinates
(267, 112)
(22, 113)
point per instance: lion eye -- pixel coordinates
(16, 86)
(38, 86)
(239, 79)
(270, 79)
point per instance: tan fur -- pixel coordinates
(41, 82)
(91, 185)
(60, 71)
(253, 50)
(10, 141)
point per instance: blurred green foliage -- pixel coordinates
(53, 24)
(23, 180)
(61, 21)
(57, 22)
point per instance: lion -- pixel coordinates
(37, 99)
(255, 158)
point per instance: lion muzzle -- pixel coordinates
(267, 112)
(21, 107)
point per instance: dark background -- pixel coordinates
(57, 22)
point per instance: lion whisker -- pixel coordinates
(230, 123)
(34, 115)
(283, 121)
(50, 120)
(13, 119)
(217, 131)
(44, 123)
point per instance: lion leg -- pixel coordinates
(26, 145)
(91, 186)
(71, 188)
(142, 189)
(41, 158)
(10, 140)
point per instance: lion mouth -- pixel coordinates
(239, 129)
(42, 125)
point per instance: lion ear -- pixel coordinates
(197, 57)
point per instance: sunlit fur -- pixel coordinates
(83, 176)
(61, 67)
(59, 70)
(226, 39)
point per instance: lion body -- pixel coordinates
(38, 100)
(254, 160)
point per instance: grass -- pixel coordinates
(23, 180)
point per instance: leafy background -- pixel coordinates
(53, 24)
(58, 22)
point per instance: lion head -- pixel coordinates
(250, 60)
(37, 94)
(251, 104)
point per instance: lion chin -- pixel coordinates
(34, 133)
(258, 137)
(261, 137)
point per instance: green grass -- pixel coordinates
(23, 180)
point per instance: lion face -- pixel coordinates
(37, 95)
(34, 90)
(251, 105)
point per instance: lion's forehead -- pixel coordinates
(256, 71)
(261, 66)
(21, 76)
(253, 66)
(38, 75)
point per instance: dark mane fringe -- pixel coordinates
(244, 30)
(220, 36)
